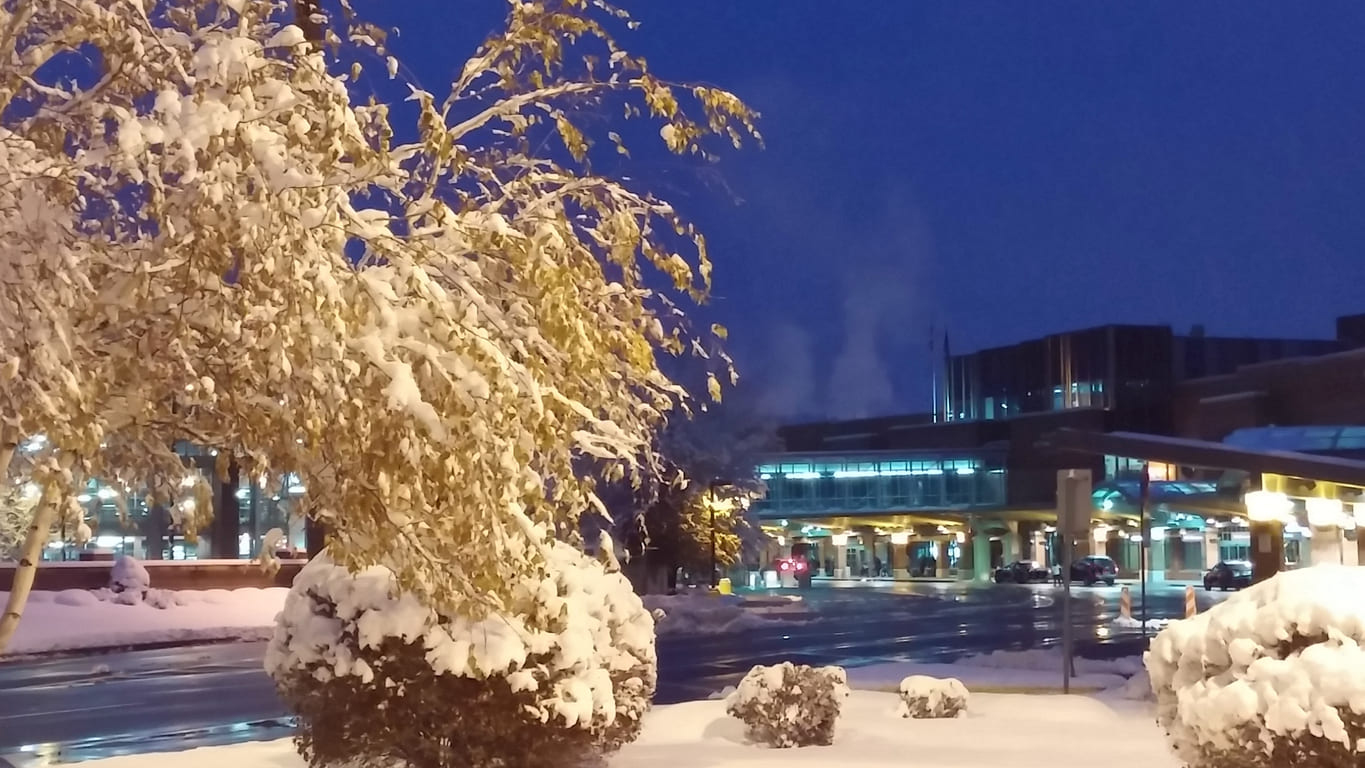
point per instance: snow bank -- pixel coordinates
(1050, 659)
(886, 676)
(77, 619)
(997, 731)
(698, 613)
(1277, 668)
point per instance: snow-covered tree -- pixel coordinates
(211, 237)
(707, 477)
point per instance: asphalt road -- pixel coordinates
(96, 706)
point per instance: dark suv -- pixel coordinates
(1228, 574)
(1094, 569)
(1022, 572)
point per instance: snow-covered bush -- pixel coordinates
(129, 575)
(1274, 676)
(787, 705)
(563, 672)
(925, 697)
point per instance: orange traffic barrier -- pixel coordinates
(1125, 604)
(1190, 609)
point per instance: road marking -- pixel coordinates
(62, 712)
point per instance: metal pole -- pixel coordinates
(713, 540)
(1066, 507)
(1143, 541)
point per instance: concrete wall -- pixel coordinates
(1302, 391)
(165, 574)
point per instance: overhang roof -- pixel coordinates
(1201, 453)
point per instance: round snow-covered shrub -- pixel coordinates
(786, 705)
(377, 678)
(128, 575)
(925, 697)
(1274, 676)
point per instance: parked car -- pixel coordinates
(1021, 572)
(1228, 574)
(1094, 569)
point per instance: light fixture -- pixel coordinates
(1101, 533)
(839, 539)
(961, 537)
(1267, 506)
(781, 541)
(900, 538)
(1323, 513)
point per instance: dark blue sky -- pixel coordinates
(1005, 169)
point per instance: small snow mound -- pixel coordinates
(1138, 688)
(76, 598)
(1277, 670)
(722, 694)
(924, 698)
(1130, 623)
(128, 575)
(790, 706)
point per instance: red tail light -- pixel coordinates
(800, 566)
(784, 565)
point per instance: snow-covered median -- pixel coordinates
(698, 613)
(78, 619)
(997, 730)
(1004, 671)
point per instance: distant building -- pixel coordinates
(1131, 370)
(972, 485)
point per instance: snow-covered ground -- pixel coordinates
(697, 613)
(1003, 671)
(998, 730)
(77, 619)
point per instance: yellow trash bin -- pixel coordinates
(724, 587)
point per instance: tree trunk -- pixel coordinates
(227, 526)
(38, 533)
(314, 532)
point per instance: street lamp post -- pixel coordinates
(711, 507)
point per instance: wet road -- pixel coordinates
(110, 704)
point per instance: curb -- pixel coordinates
(1088, 690)
(101, 650)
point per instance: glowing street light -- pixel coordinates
(1324, 513)
(1268, 506)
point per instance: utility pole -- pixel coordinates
(1145, 486)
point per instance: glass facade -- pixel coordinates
(240, 521)
(875, 484)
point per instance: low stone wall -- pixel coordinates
(166, 574)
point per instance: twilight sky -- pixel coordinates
(1005, 169)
